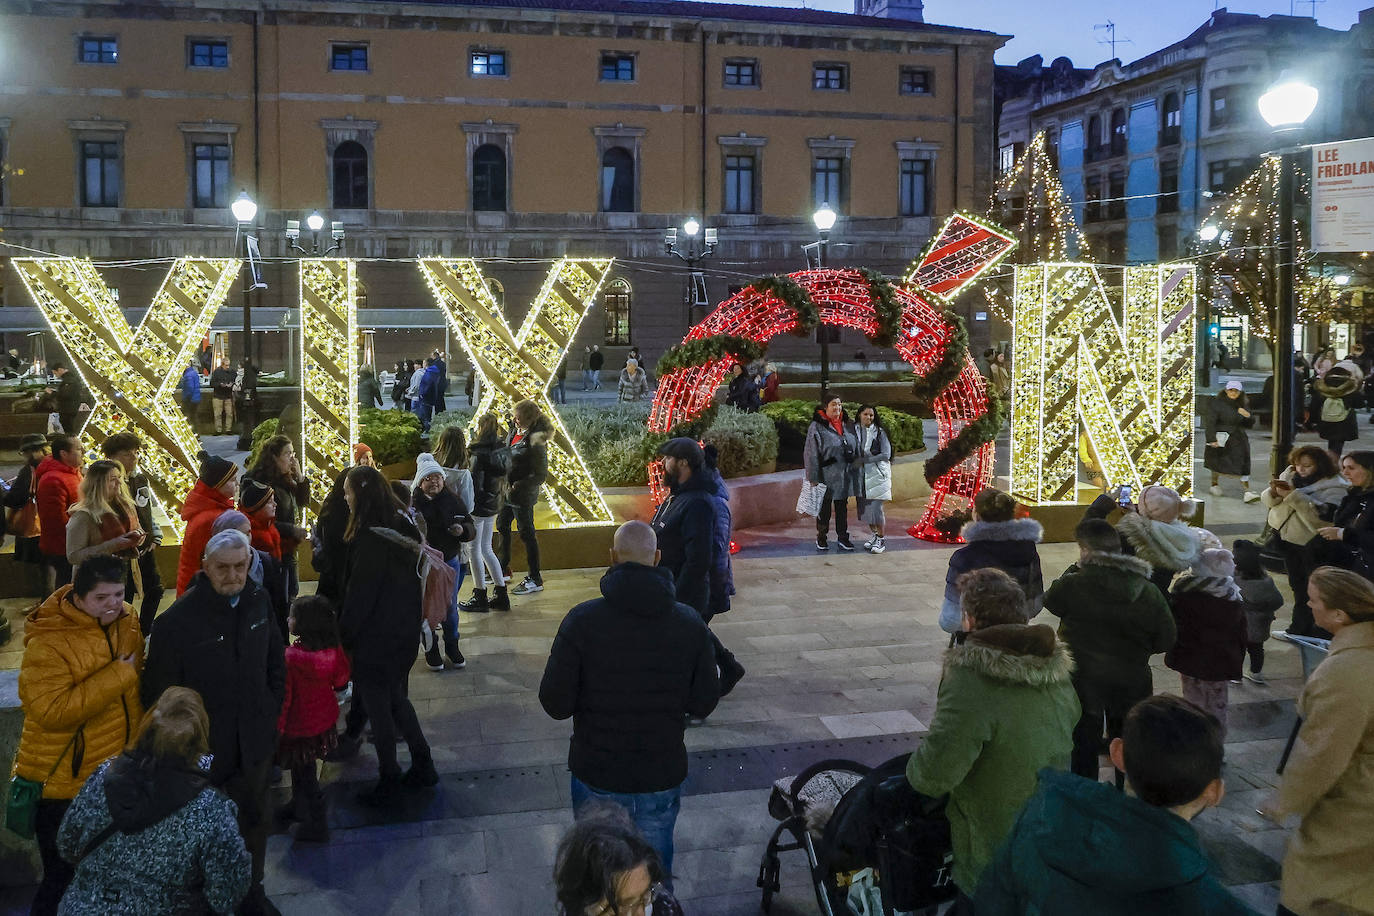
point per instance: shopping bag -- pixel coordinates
(864, 897)
(811, 498)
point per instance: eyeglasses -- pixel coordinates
(644, 906)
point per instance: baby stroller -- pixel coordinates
(849, 818)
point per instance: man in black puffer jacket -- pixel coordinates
(628, 667)
(529, 466)
(220, 639)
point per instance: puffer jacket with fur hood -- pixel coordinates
(1006, 709)
(80, 701)
(1008, 546)
(1169, 547)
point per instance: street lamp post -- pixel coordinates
(1208, 234)
(245, 210)
(1285, 106)
(692, 255)
(824, 218)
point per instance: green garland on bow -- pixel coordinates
(703, 350)
(974, 434)
(794, 296)
(927, 388)
(885, 306)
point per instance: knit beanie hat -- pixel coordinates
(359, 450)
(1216, 563)
(1163, 504)
(253, 495)
(216, 471)
(1247, 556)
(426, 465)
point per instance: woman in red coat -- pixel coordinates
(213, 493)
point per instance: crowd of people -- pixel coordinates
(1019, 704)
(153, 739)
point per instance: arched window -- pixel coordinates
(489, 178)
(616, 300)
(1118, 132)
(350, 176)
(617, 180)
(1171, 120)
(1093, 141)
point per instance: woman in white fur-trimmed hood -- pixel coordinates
(995, 539)
(1159, 535)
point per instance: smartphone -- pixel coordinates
(1123, 495)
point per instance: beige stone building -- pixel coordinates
(504, 130)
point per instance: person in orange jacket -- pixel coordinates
(78, 685)
(213, 493)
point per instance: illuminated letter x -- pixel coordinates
(132, 374)
(518, 366)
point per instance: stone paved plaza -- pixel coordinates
(843, 654)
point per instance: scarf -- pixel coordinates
(266, 537)
(1217, 586)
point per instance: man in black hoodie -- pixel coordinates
(628, 667)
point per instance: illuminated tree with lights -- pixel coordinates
(1240, 244)
(1031, 203)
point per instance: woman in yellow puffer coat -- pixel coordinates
(78, 685)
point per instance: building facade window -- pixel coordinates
(100, 173)
(616, 302)
(489, 178)
(487, 63)
(617, 180)
(740, 171)
(1092, 143)
(1226, 174)
(1171, 120)
(1168, 187)
(1168, 243)
(742, 73)
(1116, 195)
(915, 81)
(617, 68)
(98, 49)
(207, 53)
(1223, 108)
(1092, 200)
(1008, 155)
(914, 188)
(210, 175)
(350, 176)
(827, 182)
(348, 57)
(1118, 139)
(830, 77)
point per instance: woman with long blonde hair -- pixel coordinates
(104, 520)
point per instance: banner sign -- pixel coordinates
(1343, 195)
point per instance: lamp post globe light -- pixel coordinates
(245, 210)
(1208, 233)
(314, 222)
(1285, 106)
(824, 218)
(691, 227)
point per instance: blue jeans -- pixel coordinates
(424, 412)
(654, 813)
(451, 621)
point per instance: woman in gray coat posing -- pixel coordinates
(828, 457)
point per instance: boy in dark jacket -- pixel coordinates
(1113, 619)
(1081, 848)
(1210, 650)
(1262, 601)
(628, 667)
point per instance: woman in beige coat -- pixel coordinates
(1329, 778)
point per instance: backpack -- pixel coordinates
(1334, 410)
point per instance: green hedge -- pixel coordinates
(614, 440)
(792, 417)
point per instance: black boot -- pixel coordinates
(500, 601)
(386, 792)
(455, 657)
(291, 811)
(314, 826)
(477, 604)
(421, 774)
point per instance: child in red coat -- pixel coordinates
(259, 502)
(316, 667)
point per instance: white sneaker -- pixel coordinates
(1251, 496)
(868, 544)
(527, 587)
(1255, 677)
(879, 546)
(1215, 490)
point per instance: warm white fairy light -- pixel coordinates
(329, 369)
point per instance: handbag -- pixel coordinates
(21, 810)
(22, 523)
(811, 498)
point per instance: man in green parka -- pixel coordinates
(1005, 710)
(1081, 848)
